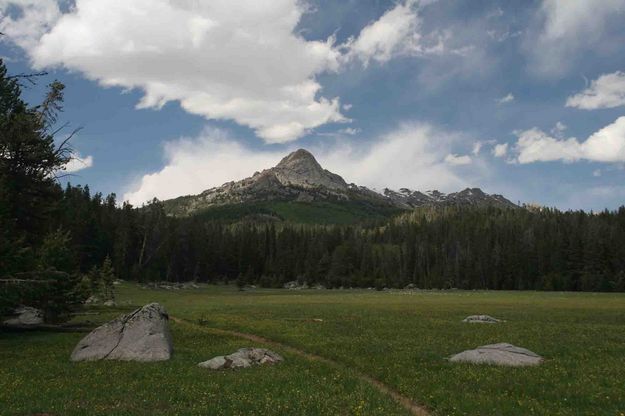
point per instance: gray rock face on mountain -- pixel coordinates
(301, 169)
(299, 177)
(243, 358)
(25, 316)
(142, 335)
(481, 319)
(407, 198)
(499, 354)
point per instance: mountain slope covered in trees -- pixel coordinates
(430, 247)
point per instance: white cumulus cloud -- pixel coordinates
(606, 145)
(534, 145)
(36, 17)
(239, 60)
(506, 99)
(607, 91)
(500, 150)
(564, 27)
(412, 156)
(395, 33)
(78, 162)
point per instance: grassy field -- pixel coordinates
(399, 338)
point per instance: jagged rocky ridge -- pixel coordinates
(470, 196)
(299, 177)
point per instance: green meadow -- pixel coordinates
(399, 338)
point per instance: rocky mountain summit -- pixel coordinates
(301, 169)
(299, 177)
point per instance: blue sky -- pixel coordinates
(522, 98)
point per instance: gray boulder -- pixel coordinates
(217, 363)
(92, 300)
(25, 316)
(243, 358)
(499, 354)
(481, 319)
(142, 335)
(295, 285)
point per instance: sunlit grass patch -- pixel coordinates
(401, 339)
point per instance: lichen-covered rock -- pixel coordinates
(25, 316)
(243, 358)
(481, 319)
(499, 354)
(142, 335)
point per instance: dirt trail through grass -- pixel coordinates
(404, 401)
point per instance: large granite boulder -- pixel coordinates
(243, 358)
(25, 316)
(142, 335)
(499, 354)
(481, 319)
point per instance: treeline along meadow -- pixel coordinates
(454, 247)
(59, 246)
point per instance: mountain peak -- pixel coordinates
(299, 177)
(300, 168)
(297, 158)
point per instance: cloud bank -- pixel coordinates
(240, 60)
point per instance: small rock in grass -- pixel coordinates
(295, 285)
(216, 363)
(243, 358)
(499, 354)
(92, 300)
(26, 316)
(481, 319)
